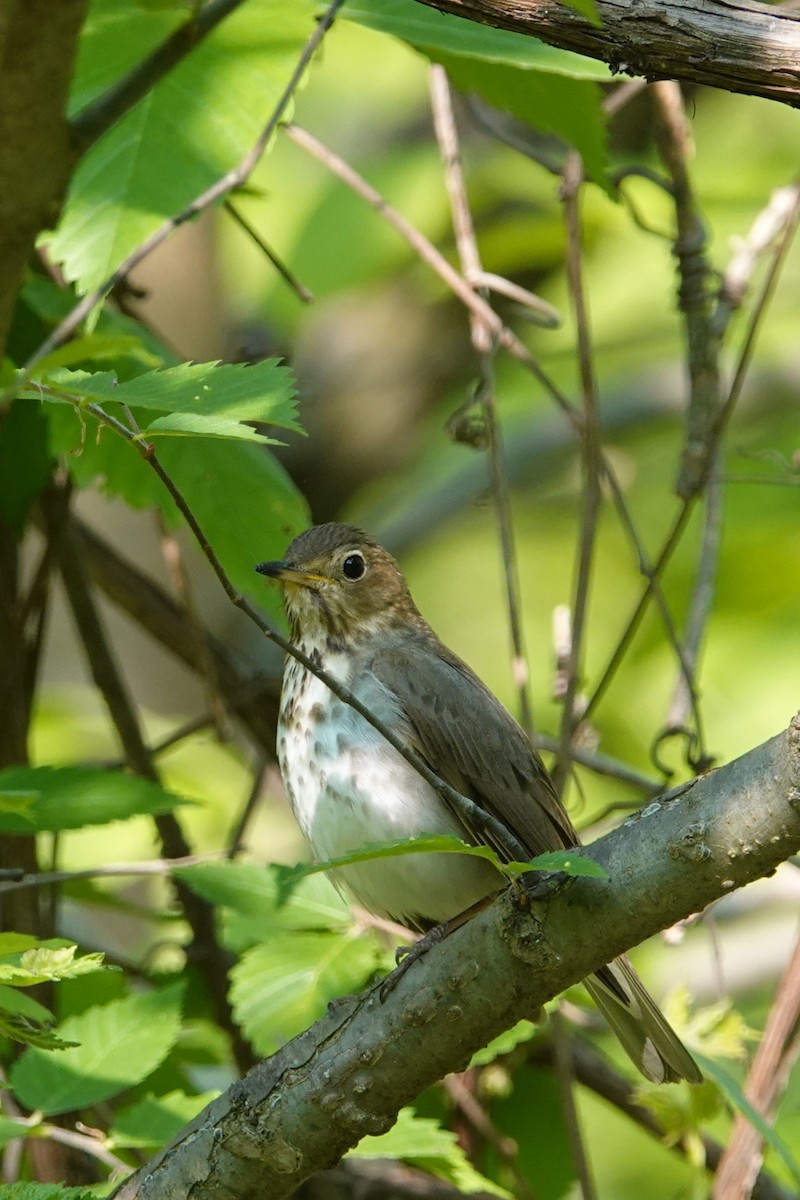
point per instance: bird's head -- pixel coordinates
(338, 582)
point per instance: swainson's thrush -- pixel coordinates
(351, 612)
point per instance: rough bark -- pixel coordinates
(348, 1075)
(37, 48)
(736, 45)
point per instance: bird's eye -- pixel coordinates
(354, 566)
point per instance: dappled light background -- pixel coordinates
(383, 357)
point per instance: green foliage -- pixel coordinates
(132, 1052)
(200, 399)
(550, 88)
(39, 799)
(154, 1120)
(423, 1143)
(115, 1046)
(282, 986)
(193, 126)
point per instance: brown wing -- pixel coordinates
(473, 743)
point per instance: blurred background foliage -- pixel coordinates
(382, 358)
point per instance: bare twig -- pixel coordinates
(300, 290)
(591, 461)
(155, 866)
(564, 1070)
(473, 816)
(767, 1079)
(232, 179)
(506, 1148)
(748, 251)
(428, 253)
(596, 1073)
(694, 295)
(89, 1145)
(483, 344)
(237, 837)
(110, 870)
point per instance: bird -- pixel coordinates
(351, 613)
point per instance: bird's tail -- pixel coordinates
(643, 1030)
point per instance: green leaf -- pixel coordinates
(281, 987)
(44, 1191)
(121, 1043)
(424, 1144)
(426, 843)
(70, 797)
(155, 1120)
(9, 1130)
(197, 123)
(566, 862)
(199, 398)
(96, 347)
(734, 1094)
(432, 31)
(569, 108)
(247, 506)
(504, 1043)
(253, 891)
(12, 1000)
(531, 1113)
(47, 961)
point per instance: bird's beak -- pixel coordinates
(286, 572)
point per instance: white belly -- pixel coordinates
(348, 787)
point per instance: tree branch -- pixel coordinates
(349, 1074)
(737, 45)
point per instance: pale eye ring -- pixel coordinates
(354, 567)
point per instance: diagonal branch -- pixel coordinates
(349, 1074)
(737, 45)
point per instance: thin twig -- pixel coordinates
(591, 461)
(593, 1071)
(483, 344)
(237, 837)
(299, 289)
(155, 866)
(469, 812)
(428, 253)
(564, 1071)
(506, 1148)
(82, 1141)
(701, 601)
(694, 294)
(767, 1079)
(219, 189)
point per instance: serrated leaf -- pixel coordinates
(199, 398)
(425, 1144)
(253, 892)
(282, 986)
(155, 1120)
(195, 124)
(96, 347)
(45, 1191)
(431, 30)
(426, 843)
(504, 1043)
(52, 960)
(121, 1043)
(70, 797)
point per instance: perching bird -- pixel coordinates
(351, 612)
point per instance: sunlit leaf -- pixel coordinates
(119, 1045)
(424, 1144)
(70, 797)
(155, 1120)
